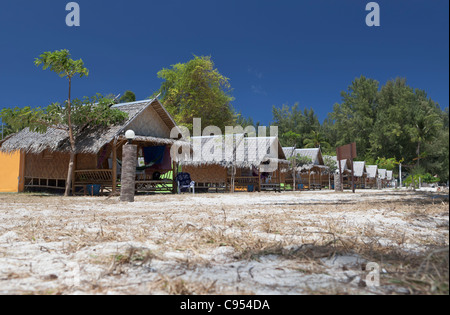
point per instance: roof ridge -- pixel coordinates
(132, 103)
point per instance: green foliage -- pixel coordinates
(430, 179)
(245, 121)
(299, 160)
(394, 121)
(420, 177)
(291, 138)
(331, 164)
(60, 62)
(128, 97)
(5, 130)
(316, 140)
(89, 112)
(355, 116)
(294, 125)
(387, 164)
(197, 90)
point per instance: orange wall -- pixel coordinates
(11, 168)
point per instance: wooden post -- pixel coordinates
(353, 167)
(294, 175)
(114, 167)
(73, 174)
(233, 176)
(279, 176)
(320, 179)
(174, 177)
(341, 177)
(21, 183)
(309, 179)
(128, 181)
(259, 178)
(329, 179)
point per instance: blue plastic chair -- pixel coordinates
(184, 182)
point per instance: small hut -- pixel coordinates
(231, 163)
(287, 176)
(372, 176)
(99, 152)
(310, 174)
(382, 176)
(390, 181)
(346, 168)
(359, 173)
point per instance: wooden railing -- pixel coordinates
(244, 180)
(94, 177)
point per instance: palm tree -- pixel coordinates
(316, 140)
(426, 122)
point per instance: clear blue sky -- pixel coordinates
(274, 52)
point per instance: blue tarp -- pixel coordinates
(154, 155)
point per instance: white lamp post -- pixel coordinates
(129, 156)
(130, 135)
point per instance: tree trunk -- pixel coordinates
(294, 175)
(128, 180)
(70, 174)
(72, 144)
(418, 154)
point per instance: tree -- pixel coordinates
(425, 122)
(316, 140)
(438, 151)
(332, 166)
(388, 164)
(293, 124)
(128, 97)
(94, 112)
(5, 131)
(355, 116)
(73, 117)
(245, 121)
(395, 121)
(61, 63)
(294, 162)
(389, 135)
(197, 90)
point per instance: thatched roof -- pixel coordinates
(372, 171)
(315, 154)
(345, 164)
(382, 173)
(237, 150)
(389, 175)
(288, 152)
(90, 140)
(312, 168)
(359, 168)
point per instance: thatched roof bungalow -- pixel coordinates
(346, 166)
(311, 173)
(359, 168)
(226, 162)
(372, 171)
(382, 173)
(372, 176)
(389, 175)
(97, 149)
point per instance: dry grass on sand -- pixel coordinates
(260, 243)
